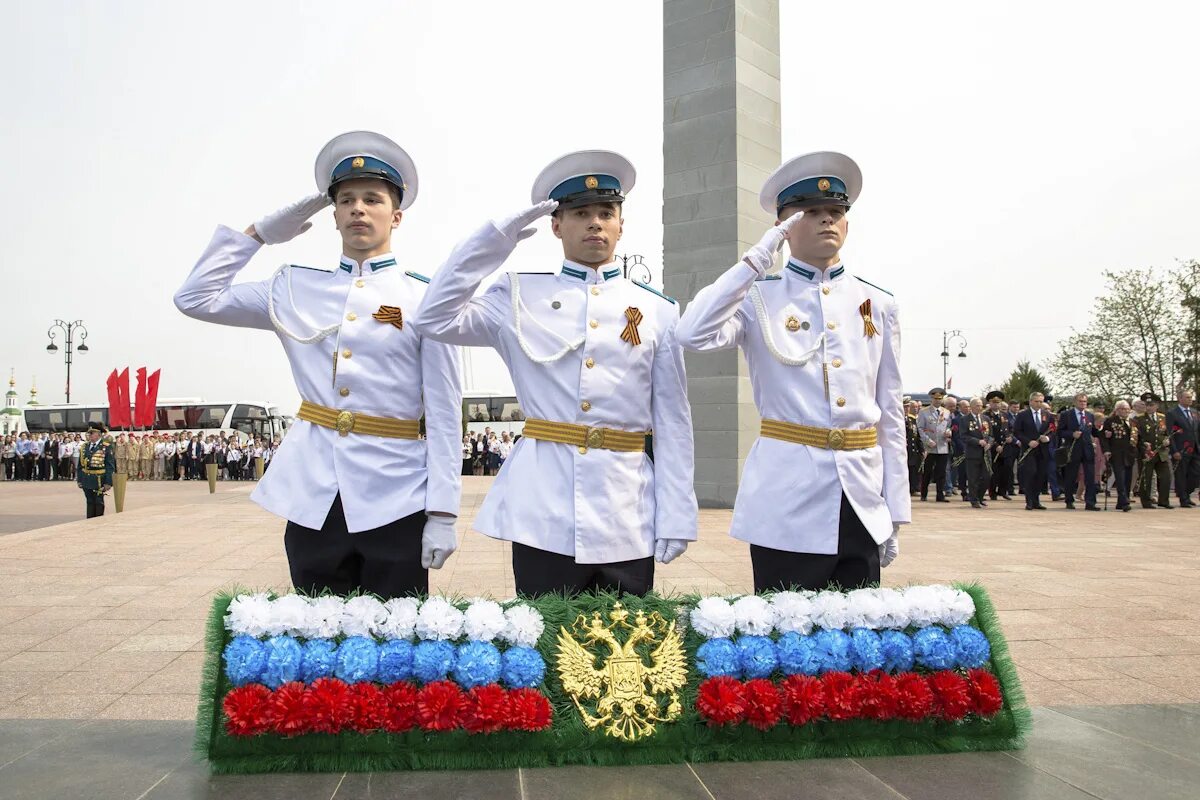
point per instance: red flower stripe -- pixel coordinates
(800, 699)
(329, 705)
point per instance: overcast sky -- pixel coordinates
(1010, 153)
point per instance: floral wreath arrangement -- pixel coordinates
(295, 683)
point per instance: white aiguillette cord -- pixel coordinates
(320, 333)
(517, 307)
(760, 310)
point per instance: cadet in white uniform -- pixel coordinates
(369, 504)
(825, 487)
(596, 367)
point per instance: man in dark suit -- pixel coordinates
(1120, 448)
(1075, 427)
(1184, 424)
(977, 441)
(958, 448)
(1005, 446)
(1032, 429)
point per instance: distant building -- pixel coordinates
(10, 415)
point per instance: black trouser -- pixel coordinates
(95, 503)
(1033, 477)
(1080, 458)
(976, 478)
(935, 471)
(856, 563)
(914, 474)
(1187, 476)
(539, 572)
(10, 468)
(1160, 470)
(1121, 476)
(385, 561)
(1001, 482)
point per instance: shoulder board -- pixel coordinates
(416, 275)
(652, 290)
(768, 278)
(880, 288)
(314, 269)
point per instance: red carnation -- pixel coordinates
(327, 702)
(440, 706)
(487, 709)
(803, 698)
(985, 692)
(914, 698)
(880, 698)
(528, 710)
(951, 693)
(764, 706)
(289, 716)
(721, 701)
(247, 710)
(843, 695)
(401, 712)
(368, 706)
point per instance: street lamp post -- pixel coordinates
(634, 265)
(69, 330)
(951, 338)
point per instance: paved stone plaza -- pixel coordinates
(101, 637)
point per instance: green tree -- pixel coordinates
(1188, 278)
(1024, 381)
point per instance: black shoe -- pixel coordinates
(1165, 505)
(1091, 508)
(1147, 505)
(1006, 497)
(924, 499)
(1070, 505)
(1188, 504)
(1039, 507)
(976, 505)
(983, 503)
(943, 500)
(1056, 498)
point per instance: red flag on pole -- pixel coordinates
(123, 404)
(114, 400)
(151, 399)
(139, 399)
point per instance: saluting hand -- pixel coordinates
(288, 222)
(514, 227)
(760, 257)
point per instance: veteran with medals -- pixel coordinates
(596, 366)
(370, 505)
(825, 487)
(97, 464)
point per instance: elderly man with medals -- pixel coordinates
(370, 505)
(825, 487)
(97, 464)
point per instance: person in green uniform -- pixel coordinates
(97, 463)
(1155, 447)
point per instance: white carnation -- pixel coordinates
(829, 610)
(713, 617)
(958, 607)
(363, 616)
(401, 618)
(523, 625)
(249, 614)
(793, 612)
(896, 609)
(924, 605)
(866, 609)
(289, 615)
(324, 617)
(437, 619)
(484, 620)
(754, 615)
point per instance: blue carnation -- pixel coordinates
(395, 661)
(797, 655)
(972, 646)
(432, 660)
(719, 657)
(283, 661)
(832, 650)
(866, 650)
(757, 656)
(523, 668)
(357, 659)
(319, 659)
(897, 651)
(934, 649)
(478, 664)
(245, 659)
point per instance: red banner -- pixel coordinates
(114, 400)
(139, 398)
(120, 419)
(151, 399)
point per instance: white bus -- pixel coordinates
(248, 417)
(499, 412)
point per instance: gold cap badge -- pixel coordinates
(358, 162)
(823, 184)
(792, 324)
(591, 182)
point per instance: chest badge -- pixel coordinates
(389, 314)
(633, 318)
(793, 324)
(869, 329)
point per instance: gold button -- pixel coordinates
(841, 401)
(346, 353)
(594, 324)
(352, 316)
(359, 283)
(831, 325)
(344, 392)
(824, 290)
(582, 450)
(591, 362)
(585, 405)
(837, 362)
(595, 290)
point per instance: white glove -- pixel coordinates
(667, 550)
(514, 227)
(438, 541)
(762, 256)
(290, 221)
(891, 548)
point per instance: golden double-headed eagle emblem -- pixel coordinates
(625, 694)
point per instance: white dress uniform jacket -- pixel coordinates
(560, 335)
(795, 331)
(353, 362)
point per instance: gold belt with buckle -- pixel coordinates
(585, 437)
(827, 438)
(345, 422)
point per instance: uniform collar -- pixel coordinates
(813, 274)
(373, 264)
(572, 270)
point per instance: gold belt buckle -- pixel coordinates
(595, 437)
(345, 423)
(837, 438)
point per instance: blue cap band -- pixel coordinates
(814, 189)
(366, 167)
(585, 183)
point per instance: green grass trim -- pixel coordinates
(987, 619)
